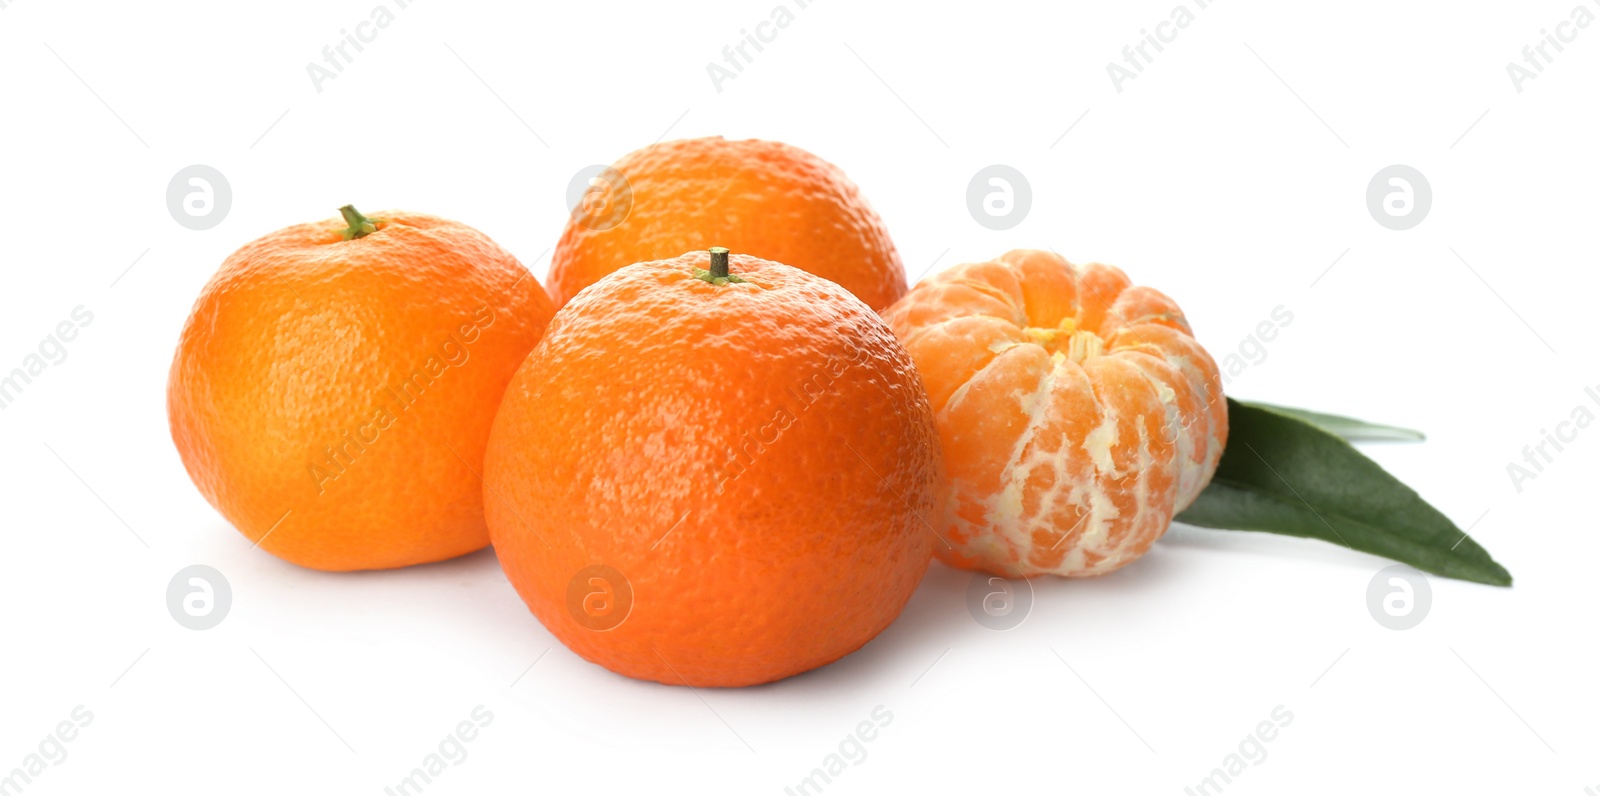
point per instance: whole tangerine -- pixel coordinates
(334, 385)
(713, 471)
(763, 198)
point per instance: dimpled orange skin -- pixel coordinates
(762, 198)
(1077, 413)
(302, 338)
(752, 458)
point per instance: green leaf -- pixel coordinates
(1282, 474)
(1347, 428)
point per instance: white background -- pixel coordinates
(1230, 174)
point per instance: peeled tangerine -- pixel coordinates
(1077, 412)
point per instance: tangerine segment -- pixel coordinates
(746, 459)
(1076, 412)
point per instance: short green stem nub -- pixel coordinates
(719, 262)
(718, 274)
(360, 225)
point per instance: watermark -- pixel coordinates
(1536, 456)
(599, 197)
(852, 751)
(52, 350)
(599, 597)
(999, 197)
(335, 57)
(199, 597)
(199, 197)
(999, 603)
(1252, 751)
(1538, 56)
(394, 401)
(1398, 597)
(1252, 350)
(735, 57)
(452, 751)
(1399, 197)
(52, 751)
(1135, 57)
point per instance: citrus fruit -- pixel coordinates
(1076, 412)
(760, 198)
(333, 388)
(713, 476)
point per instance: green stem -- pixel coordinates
(718, 275)
(360, 225)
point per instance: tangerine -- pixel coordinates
(763, 198)
(713, 472)
(1076, 412)
(334, 385)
